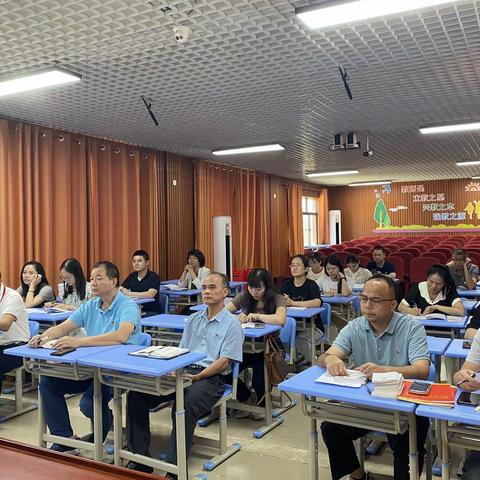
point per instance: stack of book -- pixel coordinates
(387, 385)
(440, 395)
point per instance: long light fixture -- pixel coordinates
(475, 178)
(332, 174)
(355, 11)
(459, 127)
(275, 147)
(367, 184)
(36, 80)
(468, 163)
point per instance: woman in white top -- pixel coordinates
(354, 273)
(34, 288)
(14, 328)
(195, 270)
(334, 282)
(315, 270)
(74, 290)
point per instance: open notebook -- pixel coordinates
(355, 379)
(440, 316)
(161, 352)
(172, 286)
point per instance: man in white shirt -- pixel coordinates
(14, 328)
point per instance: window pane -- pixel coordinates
(309, 229)
(312, 205)
(304, 204)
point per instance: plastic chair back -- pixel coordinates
(145, 340)
(34, 328)
(163, 301)
(288, 336)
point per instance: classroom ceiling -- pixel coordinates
(251, 73)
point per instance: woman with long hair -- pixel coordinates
(74, 290)
(259, 303)
(34, 287)
(334, 282)
(437, 294)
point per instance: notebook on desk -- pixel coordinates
(172, 286)
(440, 316)
(355, 379)
(160, 352)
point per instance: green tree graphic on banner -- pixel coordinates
(381, 214)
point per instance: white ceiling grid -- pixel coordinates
(252, 74)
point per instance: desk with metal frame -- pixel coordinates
(451, 329)
(459, 427)
(350, 302)
(351, 407)
(173, 295)
(40, 361)
(437, 346)
(120, 370)
(469, 305)
(253, 343)
(469, 293)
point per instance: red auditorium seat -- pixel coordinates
(419, 267)
(399, 265)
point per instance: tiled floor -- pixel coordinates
(281, 454)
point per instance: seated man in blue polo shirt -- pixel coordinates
(109, 319)
(381, 340)
(215, 332)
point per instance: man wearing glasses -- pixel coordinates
(381, 340)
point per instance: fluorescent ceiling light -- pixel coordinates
(475, 178)
(467, 164)
(34, 81)
(355, 11)
(461, 127)
(258, 149)
(331, 174)
(366, 184)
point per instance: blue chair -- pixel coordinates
(145, 340)
(18, 389)
(163, 302)
(224, 452)
(288, 335)
(34, 328)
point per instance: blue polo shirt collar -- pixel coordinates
(217, 318)
(115, 301)
(390, 327)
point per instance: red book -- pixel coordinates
(440, 395)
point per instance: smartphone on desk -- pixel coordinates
(467, 344)
(62, 352)
(469, 398)
(420, 388)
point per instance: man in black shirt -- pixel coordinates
(473, 325)
(143, 283)
(379, 264)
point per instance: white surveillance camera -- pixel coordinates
(181, 33)
(368, 153)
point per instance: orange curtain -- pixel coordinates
(323, 233)
(67, 195)
(242, 195)
(295, 219)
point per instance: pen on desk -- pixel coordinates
(473, 375)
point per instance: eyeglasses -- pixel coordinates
(374, 300)
(256, 290)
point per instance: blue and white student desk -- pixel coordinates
(353, 407)
(253, 343)
(459, 427)
(149, 375)
(40, 315)
(40, 361)
(469, 293)
(451, 329)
